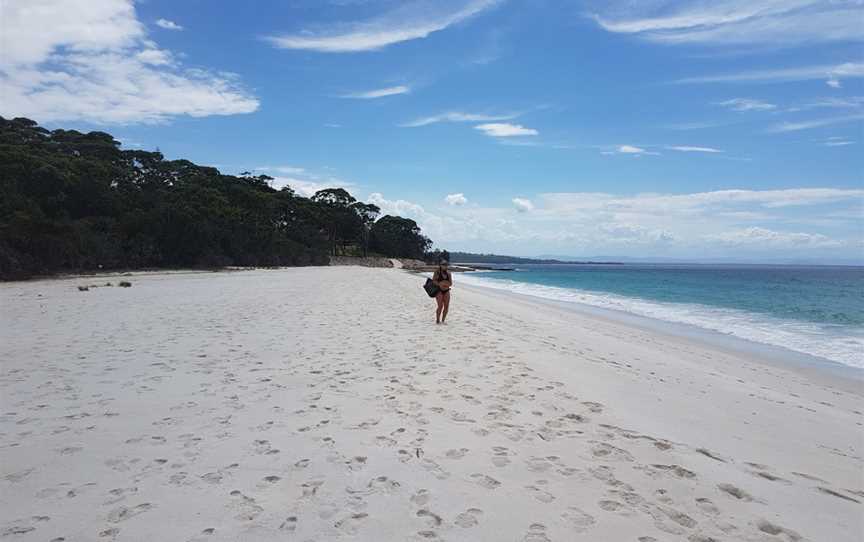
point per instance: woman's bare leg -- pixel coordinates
(440, 300)
(446, 304)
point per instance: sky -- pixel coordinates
(723, 129)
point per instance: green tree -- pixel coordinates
(72, 201)
(399, 237)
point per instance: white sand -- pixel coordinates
(323, 403)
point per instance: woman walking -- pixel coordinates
(444, 282)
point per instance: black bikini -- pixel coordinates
(441, 276)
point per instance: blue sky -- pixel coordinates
(724, 129)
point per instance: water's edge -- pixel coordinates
(777, 355)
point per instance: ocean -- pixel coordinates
(814, 310)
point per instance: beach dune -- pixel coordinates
(318, 404)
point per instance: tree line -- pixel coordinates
(72, 201)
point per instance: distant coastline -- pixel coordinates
(470, 258)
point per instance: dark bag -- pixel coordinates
(431, 288)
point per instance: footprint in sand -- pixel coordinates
(310, 488)
(577, 519)
(469, 518)
(610, 453)
(456, 453)
(539, 493)
(421, 497)
(767, 527)
(613, 506)
(736, 492)
(123, 513)
(120, 493)
(434, 468)
(485, 481)
(677, 470)
(500, 456)
(536, 533)
(290, 524)
(350, 524)
(593, 407)
(433, 518)
(707, 506)
(382, 484)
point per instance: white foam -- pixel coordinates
(835, 343)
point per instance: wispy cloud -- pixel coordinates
(689, 148)
(99, 65)
(378, 93)
(504, 129)
(632, 150)
(287, 170)
(837, 142)
(168, 25)
(851, 102)
(698, 125)
(735, 22)
(457, 116)
(806, 73)
(409, 21)
(814, 123)
(746, 104)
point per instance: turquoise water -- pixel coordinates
(816, 310)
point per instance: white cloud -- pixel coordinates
(631, 150)
(523, 205)
(399, 207)
(737, 22)
(307, 187)
(838, 143)
(457, 116)
(301, 180)
(505, 129)
(850, 102)
(287, 170)
(594, 223)
(814, 123)
(378, 93)
(456, 199)
(770, 238)
(91, 60)
(689, 148)
(747, 104)
(806, 73)
(168, 25)
(834, 83)
(409, 21)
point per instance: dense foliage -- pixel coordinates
(71, 201)
(399, 237)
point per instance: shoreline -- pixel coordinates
(797, 341)
(849, 377)
(323, 403)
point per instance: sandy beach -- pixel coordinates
(317, 404)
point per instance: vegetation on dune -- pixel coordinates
(71, 201)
